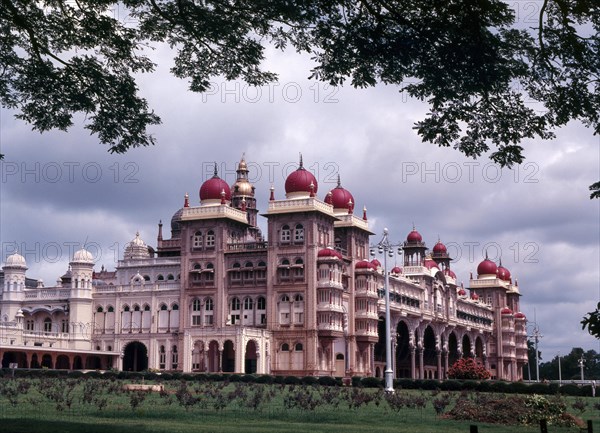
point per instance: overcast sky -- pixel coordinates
(60, 190)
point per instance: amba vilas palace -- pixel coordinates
(306, 299)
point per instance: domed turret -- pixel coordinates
(414, 236)
(506, 311)
(503, 273)
(300, 183)
(242, 186)
(396, 270)
(340, 198)
(462, 292)
(15, 260)
(449, 272)
(214, 190)
(83, 256)
(329, 253)
(439, 248)
(364, 264)
(487, 267)
(137, 249)
(520, 316)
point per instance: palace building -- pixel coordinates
(305, 298)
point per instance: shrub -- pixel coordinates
(356, 381)
(265, 378)
(570, 389)
(451, 385)
(291, 380)
(371, 382)
(309, 380)
(328, 381)
(468, 368)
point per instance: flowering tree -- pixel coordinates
(468, 368)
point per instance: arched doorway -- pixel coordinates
(93, 363)
(18, 358)
(135, 357)
(340, 365)
(479, 349)
(402, 350)
(466, 346)
(228, 365)
(62, 362)
(429, 354)
(47, 361)
(379, 349)
(34, 361)
(250, 360)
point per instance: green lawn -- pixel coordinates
(99, 406)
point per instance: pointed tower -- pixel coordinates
(242, 197)
(14, 285)
(414, 249)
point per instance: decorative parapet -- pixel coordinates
(211, 212)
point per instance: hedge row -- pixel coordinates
(365, 382)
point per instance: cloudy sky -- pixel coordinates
(61, 190)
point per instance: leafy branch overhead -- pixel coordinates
(490, 82)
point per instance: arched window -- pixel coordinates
(160, 277)
(261, 303)
(47, 324)
(248, 304)
(285, 298)
(262, 264)
(208, 312)
(210, 239)
(298, 347)
(197, 266)
(285, 234)
(146, 307)
(210, 275)
(111, 309)
(196, 305)
(298, 298)
(136, 308)
(285, 347)
(209, 305)
(197, 240)
(170, 277)
(248, 265)
(175, 307)
(146, 277)
(126, 308)
(163, 307)
(99, 310)
(299, 233)
(235, 304)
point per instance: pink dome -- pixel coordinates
(396, 270)
(506, 311)
(520, 315)
(487, 267)
(301, 181)
(329, 252)
(414, 236)
(430, 264)
(212, 188)
(475, 296)
(376, 263)
(503, 273)
(440, 248)
(340, 198)
(450, 273)
(462, 292)
(364, 264)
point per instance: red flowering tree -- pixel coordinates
(468, 368)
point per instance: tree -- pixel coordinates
(470, 60)
(570, 367)
(591, 321)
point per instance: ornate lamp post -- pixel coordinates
(536, 335)
(386, 248)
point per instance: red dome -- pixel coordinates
(396, 270)
(475, 296)
(339, 197)
(364, 264)
(487, 267)
(440, 248)
(506, 310)
(376, 263)
(450, 273)
(503, 273)
(300, 181)
(430, 264)
(212, 188)
(520, 315)
(414, 236)
(462, 292)
(329, 252)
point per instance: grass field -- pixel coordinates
(100, 406)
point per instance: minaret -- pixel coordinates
(14, 285)
(242, 197)
(80, 301)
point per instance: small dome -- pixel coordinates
(176, 223)
(506, 311)
(339, 197)
(487, 267)
(329, 252)
(137, 249)
(15, 260)
(503, 273)
(376, 263)
(429, 264)
(520, 315)
(449, 272)
(83, 256)
(462, 292)
(300, 181)
(364, 264)
(397, 270)
(475, 296)
(440, 248)
(213, 187)
(414, 236)
(242, 186)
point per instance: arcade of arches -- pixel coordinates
(421, 353)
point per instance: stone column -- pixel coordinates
(439, 364)
(413, 366)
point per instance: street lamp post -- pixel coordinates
(559, 370)
(581, 362)
(536, 335)
(386, 248)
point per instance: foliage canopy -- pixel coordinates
(490, 81)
